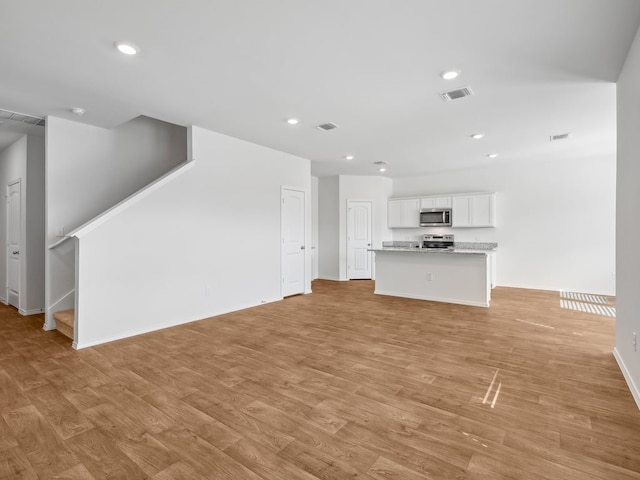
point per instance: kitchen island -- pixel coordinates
(460, 276)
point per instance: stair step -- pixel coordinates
(65, 322)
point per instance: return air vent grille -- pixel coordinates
(379, 162)
(21, 117)
(562, 136)
(456, 94)
(325, 127)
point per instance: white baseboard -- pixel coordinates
(4, 300)
(635, 391)
(333, 279)
(34, 311)
(433, 299)
(47, 327)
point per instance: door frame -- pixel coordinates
(6, 244)
(283, 188)
(346, 260)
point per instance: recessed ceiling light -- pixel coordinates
(349, 157)
(382, 169)
(450, 74)
(126, 48)
(492, 155)
(477, 136)
(293, 121)
(78, 111)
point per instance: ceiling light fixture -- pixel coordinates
(126, 48)
(349, 157)
(450, 74)
(382, 169)
(477, 136)
(293, 121)
(78, 111)
(492, 155)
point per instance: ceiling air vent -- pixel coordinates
(456, 94)
(562, 136)
(21, 117)
(380, 163)
(327, 126)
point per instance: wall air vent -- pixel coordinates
(21, 117)
(456, 94)
(327, 126)
(562, 136)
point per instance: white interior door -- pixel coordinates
(13, 244)
(293, 244)
(358, 239)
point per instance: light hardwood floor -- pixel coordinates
(337, 384)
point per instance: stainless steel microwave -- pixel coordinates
(435, 217)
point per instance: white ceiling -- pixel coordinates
(242, 67)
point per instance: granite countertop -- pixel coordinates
(434, 251)
(464, 248)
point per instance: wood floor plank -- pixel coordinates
(79, 472)
(179, 471)
(338, 384)
(207, 428)
(14, 465)
(203, 456)
(47, 453)
(61, 414)
(103, 458)
(265, 463)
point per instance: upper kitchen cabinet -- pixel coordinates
(435, 202)
(403, 213)
(474, 210)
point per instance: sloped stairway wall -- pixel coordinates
(88, 170)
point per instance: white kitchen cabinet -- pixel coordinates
(435, 202)
(474, 210)
(403, 213)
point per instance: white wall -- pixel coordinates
(556, 220)
(24, 160)
(628, 220)
(328, 228)
(34, 218)
(315, 251)
(206, 243)
(88, 170)
(376, 189)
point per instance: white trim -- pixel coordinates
(34, 311)
(59, 242)
(333, 279)
(131, 200)
(48, 328)
(433, 299)
(4, 300)
(635, 391)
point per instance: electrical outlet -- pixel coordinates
(207, 291)
(60, 232)
(430, 277)
(635, 342)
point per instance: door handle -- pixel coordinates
(16, 252)
(302, 247)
